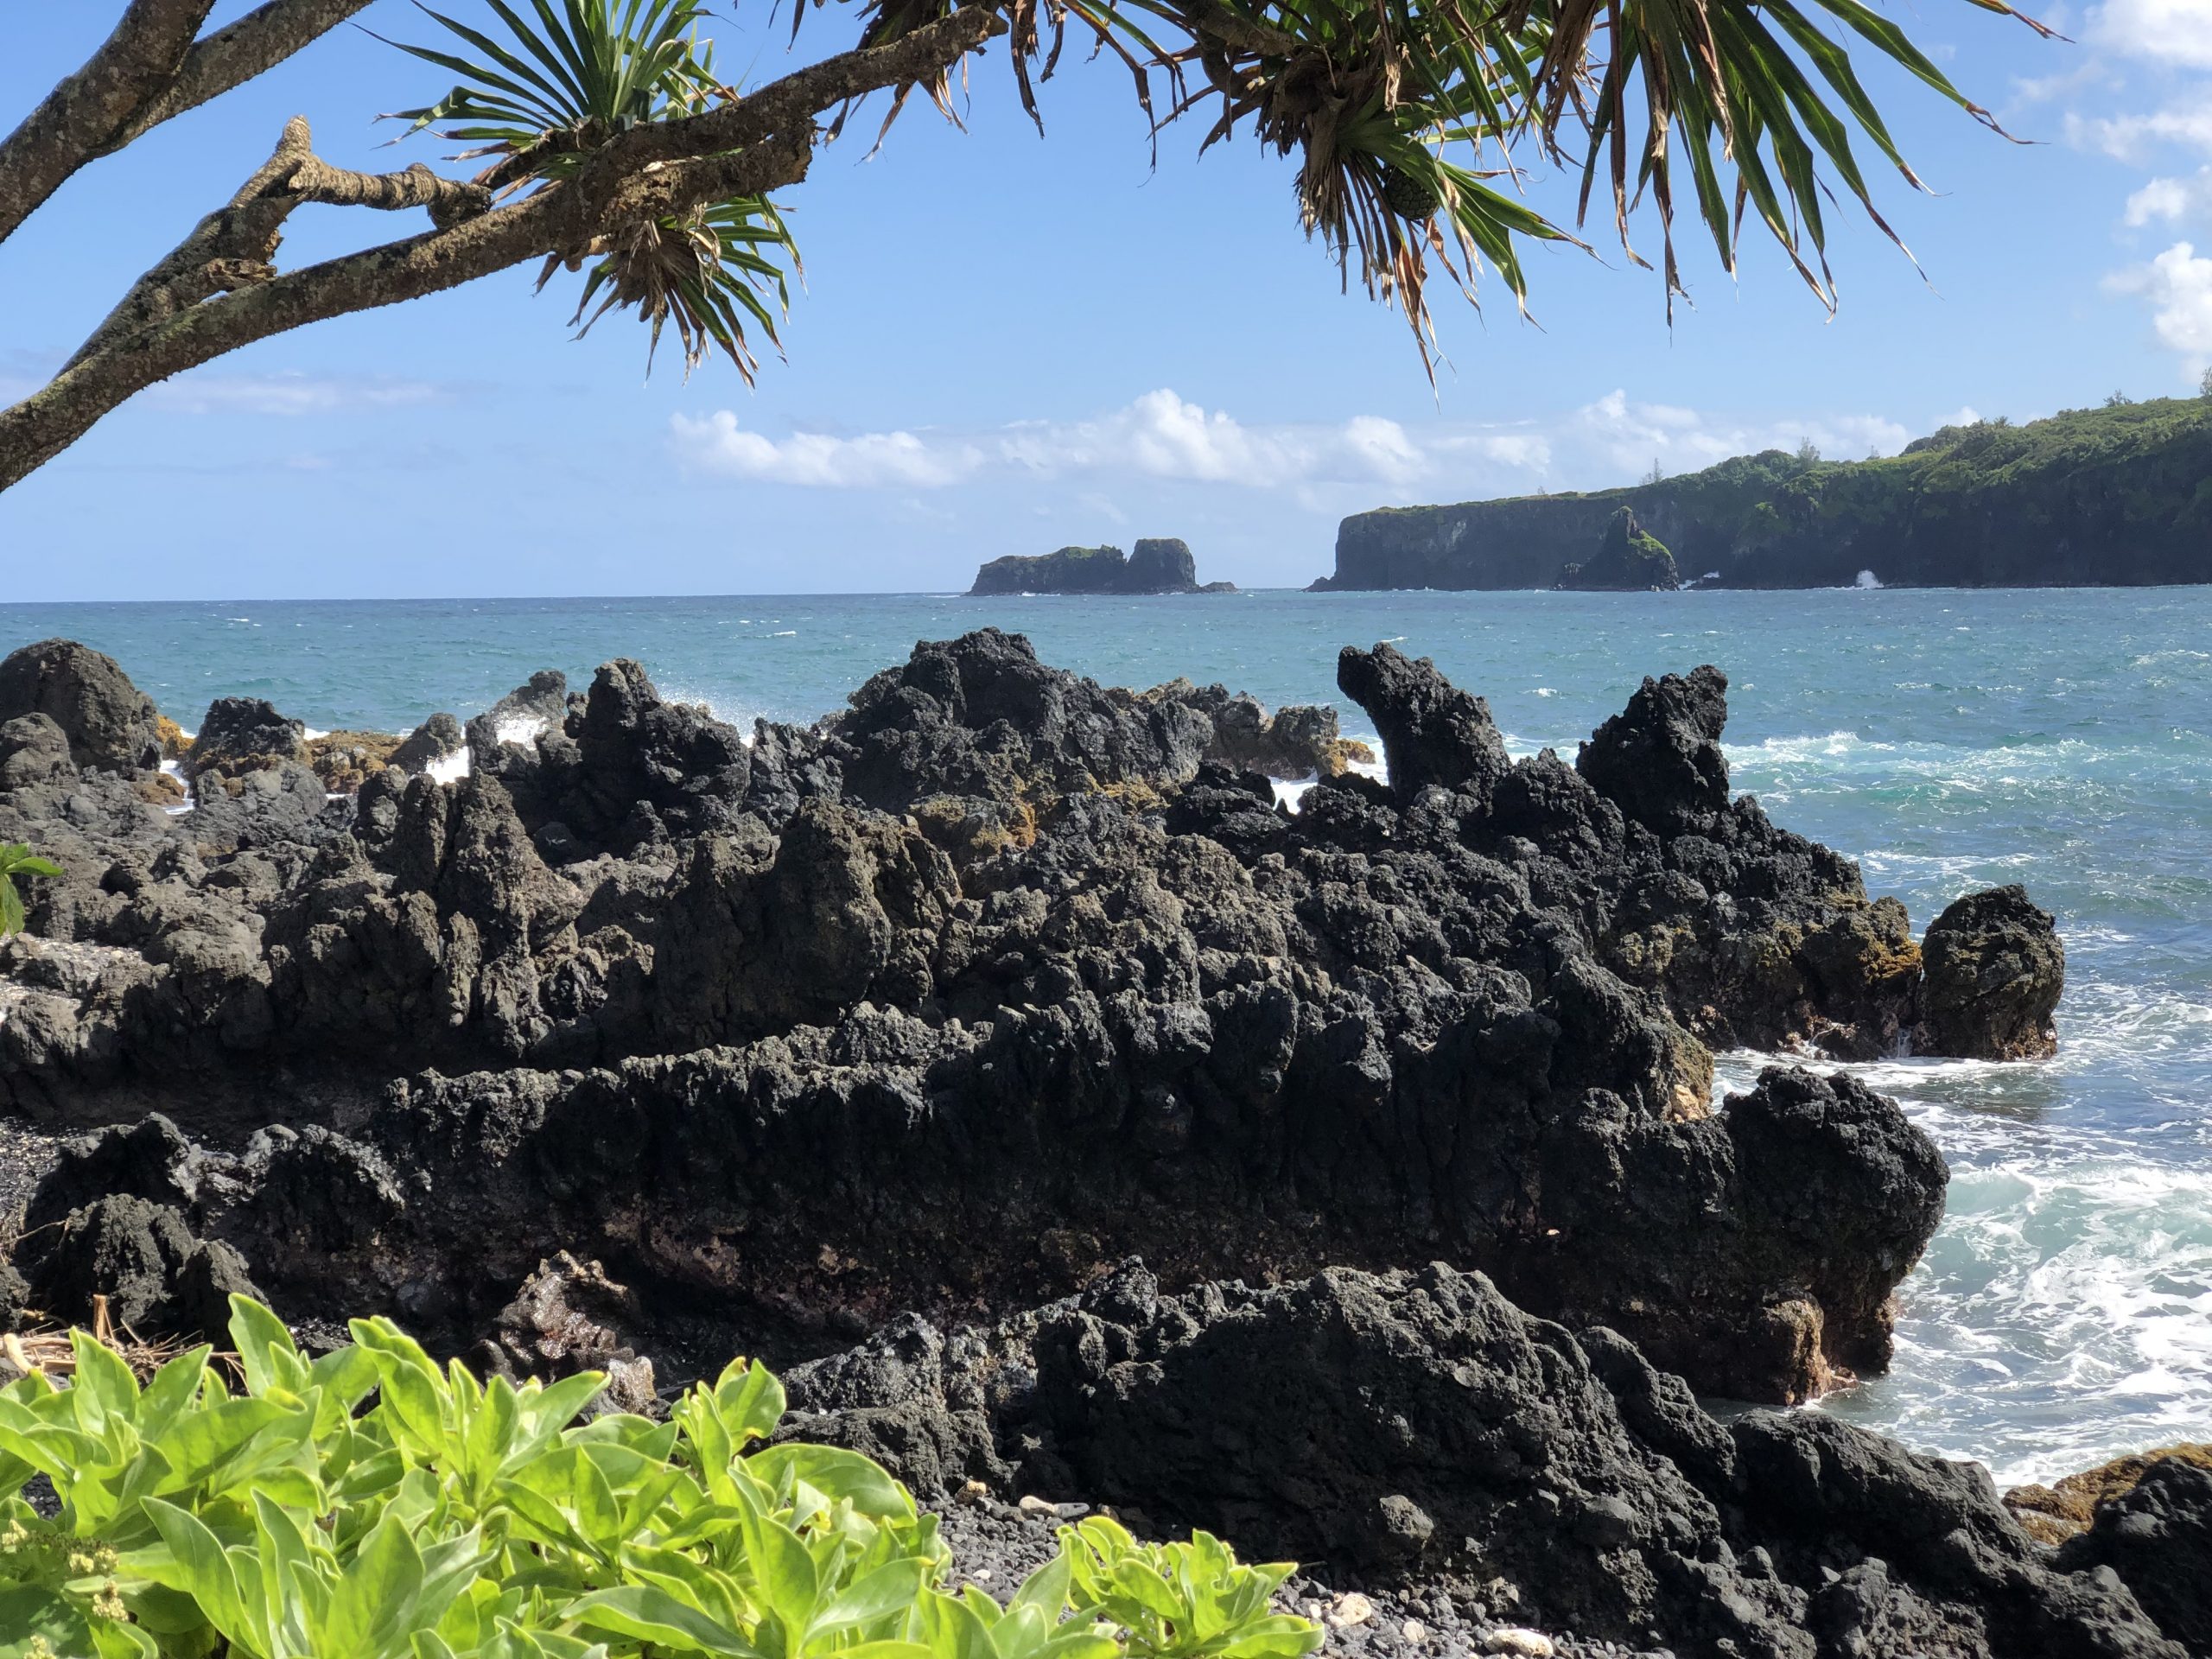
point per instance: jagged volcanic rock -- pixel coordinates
(1433, 734)
(2157, 1537)
(238, 735)
(107, 722)
(537, 705)
(432, 741)
(35, 751)
(994, 977)
(1993, 969)
(1416, 1426)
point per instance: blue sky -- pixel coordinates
(1008, 343)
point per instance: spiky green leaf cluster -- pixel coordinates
(561, 82)
(374, 1504)
(1416, 122)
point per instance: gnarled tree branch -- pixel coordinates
(232, 55)
(237, 243)
(217, 291)
(85, 114)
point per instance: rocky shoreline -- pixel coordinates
(1072, 1124)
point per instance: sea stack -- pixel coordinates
(1159, 564)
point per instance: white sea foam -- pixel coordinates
(450, 768)
(520, 729)
(1291, 792)
(2062, 1314)
(175, 769)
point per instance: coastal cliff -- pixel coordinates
(1159, 564)
(2119, 496)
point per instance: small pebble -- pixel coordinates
(1352, 1608)
(1415, 1632)
(1529, 1644)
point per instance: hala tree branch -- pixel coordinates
(87, 113)
(150, 69)
(218, 289)
(232, 55)
(236, 244)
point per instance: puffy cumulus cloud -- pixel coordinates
(2172, 200)
(820, 461)
(1162, 436)
(1159, 435)
(2176, 286)
(2165, 31)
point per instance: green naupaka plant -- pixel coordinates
(17, 860)
(371, 1505)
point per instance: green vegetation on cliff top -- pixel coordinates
(1985, 452)
(2121, 494)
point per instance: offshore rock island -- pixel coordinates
(2117, 496)
(1073, 1122)
(1158, 565)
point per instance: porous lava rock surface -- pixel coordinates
(108, 723)
(1992, 969)
(989, 980)
(2157, 1538)
(1417, 1428)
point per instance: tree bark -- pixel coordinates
(232, 55)
(89, 110)
(150, 69)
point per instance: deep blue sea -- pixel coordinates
(1948, 740)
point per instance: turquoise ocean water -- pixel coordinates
(1948, 740)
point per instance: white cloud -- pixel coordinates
(1631, 436)
(872, 461)
(1160, 436)
(291, 393)
(2133, 137)
(2176, 286)
(2165, 31)
(2172, 200)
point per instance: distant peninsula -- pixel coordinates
(1160, 564)
(2120, 496)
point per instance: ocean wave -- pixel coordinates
(2062, 1313)
(2062, 1316)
